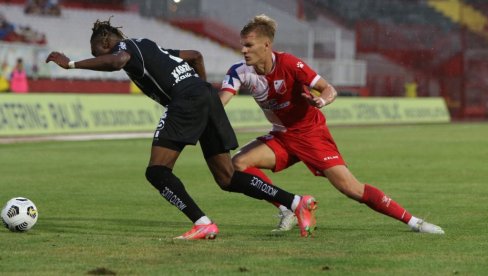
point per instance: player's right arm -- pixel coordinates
(195, 60)
(108, 62)
(230, 85)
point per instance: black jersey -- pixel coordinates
(158, 72)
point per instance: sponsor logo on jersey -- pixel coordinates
(279, 86)
(331, 157)
(300, 64)
(273, 105)
(122, 46)
(182, 72)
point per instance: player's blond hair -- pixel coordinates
(262, 25)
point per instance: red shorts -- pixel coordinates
(316, 148)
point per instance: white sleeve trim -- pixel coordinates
(315, 80)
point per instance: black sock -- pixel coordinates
(256, 187)
(173, 190)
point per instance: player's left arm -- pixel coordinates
(195, 60)
(322, 94)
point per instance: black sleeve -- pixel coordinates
(173, 52)
(135, 64)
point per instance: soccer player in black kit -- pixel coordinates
(176, 80)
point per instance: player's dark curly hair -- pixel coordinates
(104, 29)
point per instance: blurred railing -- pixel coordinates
(342, 72)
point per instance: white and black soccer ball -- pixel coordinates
(19, 214)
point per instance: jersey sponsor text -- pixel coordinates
(182, 72)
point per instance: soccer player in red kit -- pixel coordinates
(277, 82)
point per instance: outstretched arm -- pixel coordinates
(324, 94)
(195, 60)
(225, 96)
(109, 62)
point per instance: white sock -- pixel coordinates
(203, 221)
(413, 221)
(295, 202)
(282, 208)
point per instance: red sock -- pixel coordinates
(379, 202)
(259, 173)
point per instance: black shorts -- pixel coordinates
(196, 114)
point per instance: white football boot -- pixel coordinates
(423, 226)
(287, 221)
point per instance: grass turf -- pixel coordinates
(98, 215)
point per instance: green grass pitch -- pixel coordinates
(98, 215)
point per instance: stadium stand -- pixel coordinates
(462, 13)
(111, 5)
(296, 36)
(377, 47)
(44, 7)
(480, 5)
(234, 15)
(19, 32)
(329, 48)
(71, 31)
(439, 45)
(387, 11)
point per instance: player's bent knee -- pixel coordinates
(239, 163)
(223, 177)
(223, 182)
(225, 188)
(351, 191)
(158, 176)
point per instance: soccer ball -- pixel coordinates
(19, 214)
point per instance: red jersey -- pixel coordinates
(279, 92)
